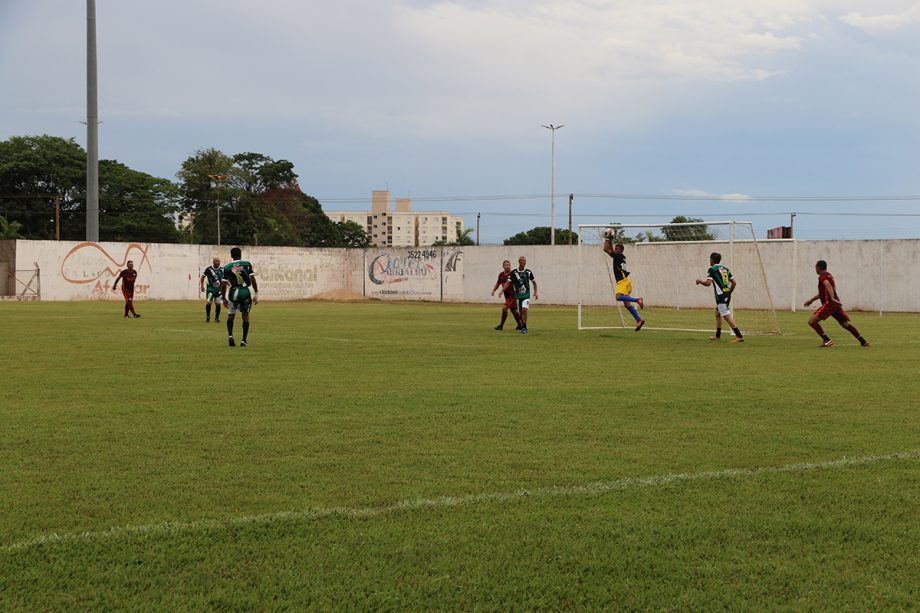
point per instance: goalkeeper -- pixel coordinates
(624, 285)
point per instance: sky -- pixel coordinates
(718, 105)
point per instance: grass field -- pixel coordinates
(392, 456)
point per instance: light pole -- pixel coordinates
(217, 179)
(552, 188)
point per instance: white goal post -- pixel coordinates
(664, 261)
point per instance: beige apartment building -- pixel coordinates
(401, 226)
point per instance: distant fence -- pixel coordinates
(877, 275)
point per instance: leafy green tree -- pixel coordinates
(9, 229)
(540, 236)
(135, 206)
(464, 239)
(35, 169)
(351, 234)
(696, 232)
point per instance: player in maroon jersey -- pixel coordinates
(830, 307)
(127, 276)
(504, 282)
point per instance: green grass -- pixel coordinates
(110, 423)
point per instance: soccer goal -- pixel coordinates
(664, 261)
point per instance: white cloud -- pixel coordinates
(699, 194)
(880, 23)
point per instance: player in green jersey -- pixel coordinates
(213, 274)
(521, 278)
(720, 279)
(236, 293)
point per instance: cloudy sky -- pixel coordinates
(718, 100)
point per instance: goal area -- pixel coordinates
(664, 261)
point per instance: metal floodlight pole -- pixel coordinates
(217, 179)
(92, 127)
(552, 183)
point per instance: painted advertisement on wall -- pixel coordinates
(403, 274)
(285, 273)
(452, 274)
(87, 270)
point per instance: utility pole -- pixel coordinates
(552, 192)
(217, 179)
(477, 228)
(791, 225)
(571, 198)
(92, 127)
(57, 217)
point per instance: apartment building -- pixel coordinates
(401, 226)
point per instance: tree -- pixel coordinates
(9, 229)
(464, 239)
(540, 236)
(697, 232)
(35, 169)
(135, 206)
(351, 234)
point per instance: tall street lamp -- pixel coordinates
(217, 179)
(552, 192)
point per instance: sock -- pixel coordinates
(817, 328)
(737, 332)
(627, 299)
(126, 307)
(207, 310)
(634, 312)
(245, 330)
(718, 332)
(852, 330)
(217, 310)
(229, 326)
(131, 306)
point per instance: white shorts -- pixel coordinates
(524, 304)
(723, 310)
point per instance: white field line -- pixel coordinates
(306, 515)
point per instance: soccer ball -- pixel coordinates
(609, 233)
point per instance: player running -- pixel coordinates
(830, 307)
(723, 284)
(214, 274)
(235, 292)
(521, 278)
(624, 286)
(504, 282)
(127, 276)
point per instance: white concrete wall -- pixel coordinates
(871, 275)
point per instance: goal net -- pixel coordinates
(664, 261)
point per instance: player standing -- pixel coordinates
(830, 307)
(127, 276)
(235, 292)
(214, 274)
(624, 285)
(723, 284)
(504, 282)
(521, 278)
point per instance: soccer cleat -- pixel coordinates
(243, 344)
(641, 303)
(207, 319)
(217, 321)
(866, 345)
(499, 328)
(714, 338)
(826, 343)
(518, 327)
(524, 330)
(136, 315)
(738, 339)
(231, 341)
(639, 325)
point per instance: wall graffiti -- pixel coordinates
(91, 264)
